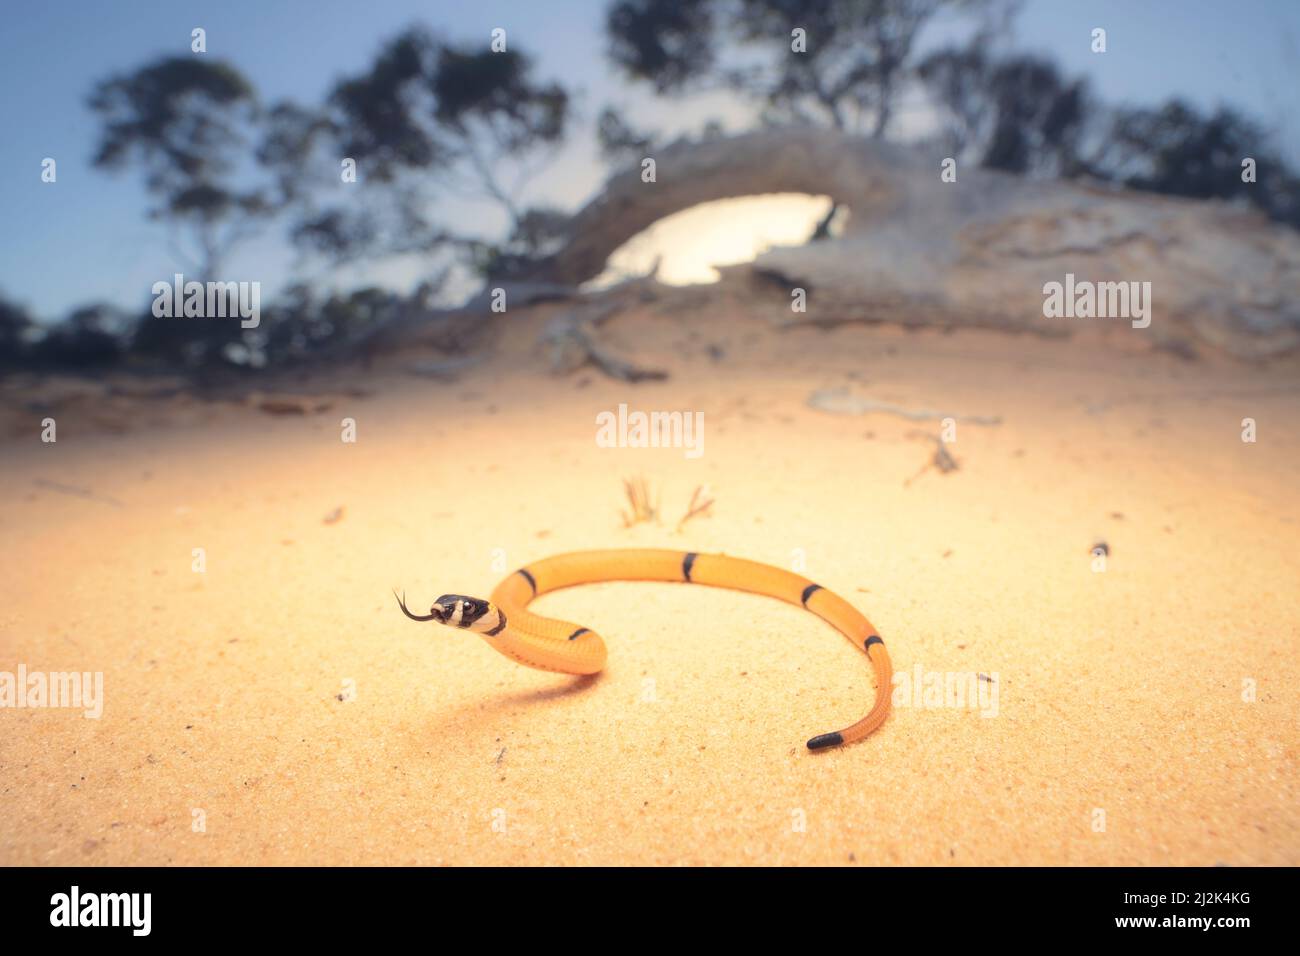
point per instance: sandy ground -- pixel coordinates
(279, 709)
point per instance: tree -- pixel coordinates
(1019, 114)
(1177, 150)
(666, 42)
(302, 325)
(537, 233)
(855, 58)
(1016, 114)
(1174, 149)
(425, 113)
(183, 119)
(618, 141)
(16, 330)
(88, 337)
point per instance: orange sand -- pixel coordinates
(1120, 691)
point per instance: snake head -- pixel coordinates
(457, 610)
(454, 610)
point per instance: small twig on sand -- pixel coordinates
(286, 404)
(839, 401)
(941, 459)
(447, 369)
(75, 491)
(572, 336)
(699, 505)
(638, 496)
(573, 344)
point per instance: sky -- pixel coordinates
(86, 238)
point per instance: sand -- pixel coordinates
(278, 709)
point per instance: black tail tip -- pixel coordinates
(821, 741)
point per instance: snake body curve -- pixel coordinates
(562, 646)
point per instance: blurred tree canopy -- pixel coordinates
(90, 336)
(17, 327)
(425, 115)
(426, 118)
(1016, 114)
(1177, 150)
(619, 142)
(186, 122)
(666, 42)
(1019, 114)
(842, 62)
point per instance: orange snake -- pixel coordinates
(553, 645)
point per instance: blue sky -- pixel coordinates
(85, 238)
